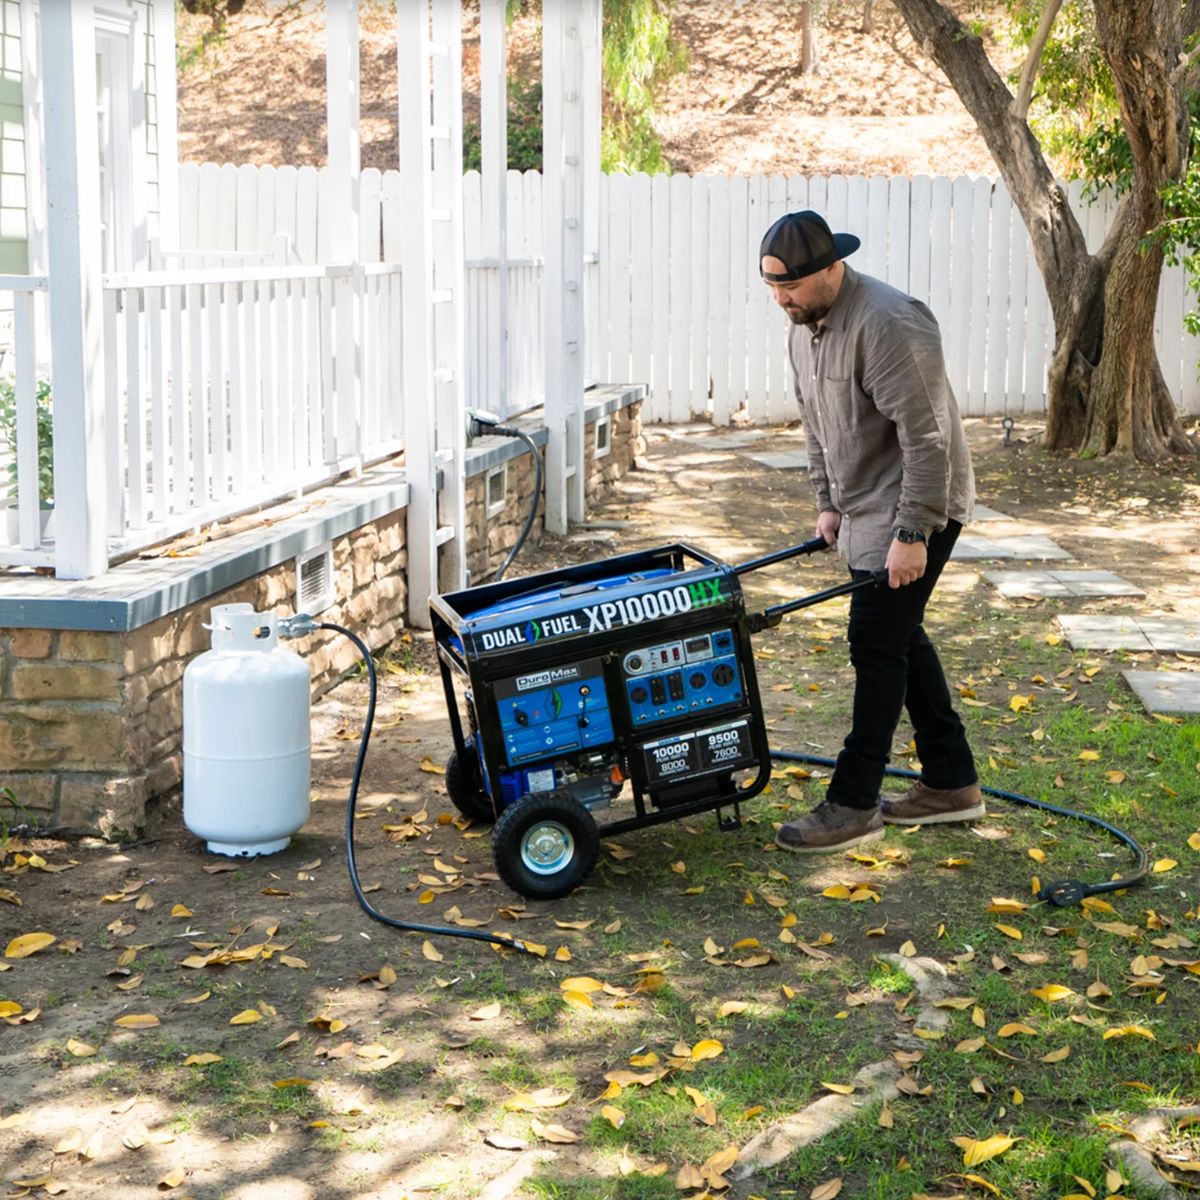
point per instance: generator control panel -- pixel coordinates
(554, 711)
(689, 675)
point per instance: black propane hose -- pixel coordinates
(512, 431)
(301, 624)
(1062, 892)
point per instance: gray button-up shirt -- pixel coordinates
(885, 441)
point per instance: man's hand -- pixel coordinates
(828, 524)
(905, 562)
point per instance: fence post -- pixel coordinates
(493, 136)
(344, 160)
(73, 242)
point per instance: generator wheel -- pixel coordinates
(464, 786)
(545, 845)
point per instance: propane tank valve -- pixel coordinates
(301, 625)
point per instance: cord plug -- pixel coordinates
(1064, 892)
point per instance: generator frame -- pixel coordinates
(589, 624)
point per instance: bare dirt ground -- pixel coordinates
(407, 1099)
(878, 105)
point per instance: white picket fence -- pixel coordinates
(675, 300)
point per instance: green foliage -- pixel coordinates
(638, 57)
(1074, 112)
(524, 128)
(45, 437)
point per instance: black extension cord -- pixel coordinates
(1061, 893)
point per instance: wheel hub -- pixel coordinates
(547, 847)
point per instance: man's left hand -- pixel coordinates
(905, 562)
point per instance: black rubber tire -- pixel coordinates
(565, 820)
(464, 786)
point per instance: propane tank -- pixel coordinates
(246, 736)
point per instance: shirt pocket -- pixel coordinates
(839, 413)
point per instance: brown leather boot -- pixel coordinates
(922, 805)
(830, 827)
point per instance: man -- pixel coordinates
(889, 461)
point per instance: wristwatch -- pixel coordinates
(908, 536)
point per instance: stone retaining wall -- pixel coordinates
(91, 722)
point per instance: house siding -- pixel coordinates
(14, 229)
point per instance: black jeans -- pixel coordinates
(897, 667)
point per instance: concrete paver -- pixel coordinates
(1061, 583)
(976, 546)
(1172, 692)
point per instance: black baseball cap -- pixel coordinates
(804, 244)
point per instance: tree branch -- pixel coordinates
(1029, 71)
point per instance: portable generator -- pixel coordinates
(572, 691)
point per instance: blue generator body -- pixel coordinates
(601, 698)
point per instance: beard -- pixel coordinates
(798, 315)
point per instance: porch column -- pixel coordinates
(493, 136)
(562, 278)
(343, 169)
(73, 253)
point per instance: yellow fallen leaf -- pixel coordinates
(1115, 776)
(577, 1000)
(1012, 1029)
(980, 1150)
(202, 1060)
(838, 891)
(138, 1021)
(430, 767)
(613, 1115)
(1010, 931)
(294, 1082)
(173, 1178)
(431, 952)
(643, 1060)
(1021, 703)
(1163, 865)
(581, 983)
(1089, 756)
(489, 1012)
(181, 910)
(248, 1016)
(1194, 840)
(842, 1089)
(80, 1049)
(28, 943)
(709, 1048)
(826, 1191)
(1056, 1055)
(1052, 992)
(552, 1133)
(980, 1182)
(290, 960)
(908, 950)
(732, 1007)
(1036, 854)
(9, 1008)
(1095, 904)
(1129, 1031)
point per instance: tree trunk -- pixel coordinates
(810, 52)
(1084, 381)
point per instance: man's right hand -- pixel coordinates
(828, 524)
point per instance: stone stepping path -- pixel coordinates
(1061, 583)
(1168, 692)
(976, 546)
(792, 460)
(983, 513)
(1164, 635)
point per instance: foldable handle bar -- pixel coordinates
(812, 546)
(770, 617)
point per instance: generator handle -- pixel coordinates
(812, 546)
(770, 617)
